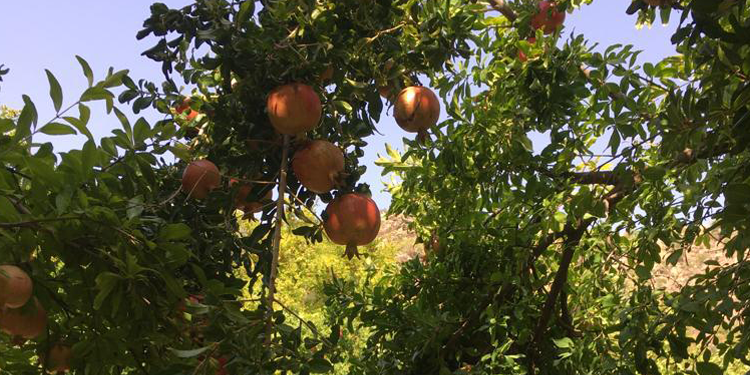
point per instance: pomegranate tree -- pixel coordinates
(294, 108)
(15, 286)
(319, 166)
(549, 19)
(27, 323)
(199, 178)
(416, 109)
(353, 220)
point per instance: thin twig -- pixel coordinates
(305, 322)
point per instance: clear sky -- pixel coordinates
(47, 34)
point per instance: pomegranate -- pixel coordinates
(549, 18)
(385, 91)
(522, 56)
(222, 370)
(15, 286)
(326, 75)
(294, 108)
(59, 359)
(240, 200)
(319, 166)
(199, 178)
(27, 325)
(186, 106)
(353, 220)
(417, 109)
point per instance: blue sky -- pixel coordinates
(47, 34)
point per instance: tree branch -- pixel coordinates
(277, 238)
(34, 223)
(573, 236)
(594, 178)
(14, 171)
(503, 7)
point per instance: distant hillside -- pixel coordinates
(395, 232)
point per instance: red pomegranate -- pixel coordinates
(186, 106)
(222, 370)
(27, 325)
(199, 178)
(240, 200)
(385, 91)
(59, 359)
(15, 286)
(319, 166)
(417, 109)
(294, 108)
(549, 18)
(353, 220)
(522, 56)
(326, 75)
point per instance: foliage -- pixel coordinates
(304, 270)
(542, 254)
(546, 250)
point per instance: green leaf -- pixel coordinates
(181, 152)
(320, 366)
(560, 217)
(6, 125)
(82, 122)
(27, 117)
(737, 193)
(125, 125)
(343, 106)
(86, 70)
(95, 93)
(664, 13)
(32, 109)
(90, 158)
(614, 141)
(171, 232)
(644, 273)
(246, 11)
(8, 210)
(173, 285)
(105, 283)
(525, 142)
(42, 171)
(708, 368)
(56, 128)
(55, 91)
(189, 353)
(114, 79)
(564, 342)
(655, 173)
(141, 130)
(392, 153)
